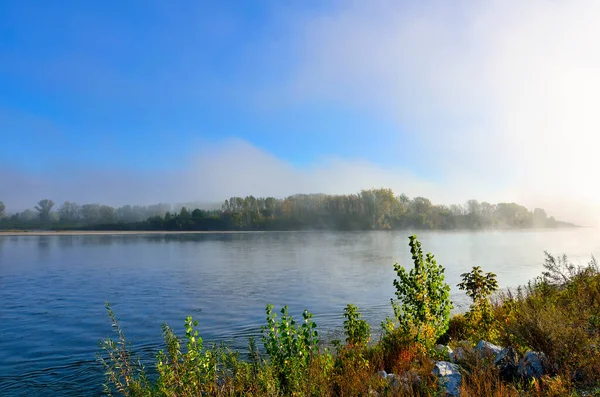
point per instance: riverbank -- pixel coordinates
(545, 337)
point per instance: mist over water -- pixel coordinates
(237, 168)
(53, 288)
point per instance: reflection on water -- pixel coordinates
(53, 288)
(43, 246)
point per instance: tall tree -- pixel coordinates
(90, 213)
(107, 214)
(69, 211)
(27, 215)
(43, 208)
(2, 210)
(539, 217)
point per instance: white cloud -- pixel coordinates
(502, 91)
(236, 168)
(219, 171)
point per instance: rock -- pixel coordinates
(487, 349)
(449, 376)
(457, 354)
(460, 352)
(411, 379)
(532, 365)
(443, 349)
(444, 368)
(395, 381)
(508, 361)
(406, 381)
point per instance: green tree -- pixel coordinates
(27, 215)
(474, 214)
(423, 297)
(420, 210)
(184, 213)
(198, 214)
(69, 212)
(479, 287)
(126, 214)
(43, 208)
(90, 213)
(107, 214)
(512, 214)
(2, 210)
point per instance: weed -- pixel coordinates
(290, 347)
(423, 298)
(356, 329)
(480, 318)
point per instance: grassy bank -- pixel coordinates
(555, 320)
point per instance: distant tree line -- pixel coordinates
(375, 209)
(70, 215)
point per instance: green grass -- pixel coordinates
(557, 314)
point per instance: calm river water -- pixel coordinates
(53, 288)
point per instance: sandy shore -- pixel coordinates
(108, 232)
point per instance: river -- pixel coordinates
(53, 288)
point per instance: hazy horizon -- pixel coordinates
(139, 104)
(218, 205)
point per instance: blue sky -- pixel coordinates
(146, 101)
(138, 85)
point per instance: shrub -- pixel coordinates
(353, 374)
(189, 371)
(559, 271)
(124, 375)
(552, 315)
(458, 329)
(356, 329)
(290, 347)
(423, 298)
(480, 317)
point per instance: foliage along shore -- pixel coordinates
(550, 329)
(375, 209)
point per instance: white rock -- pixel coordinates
(444, 368)
(487, 349)
(449, 376)
(506, 355)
